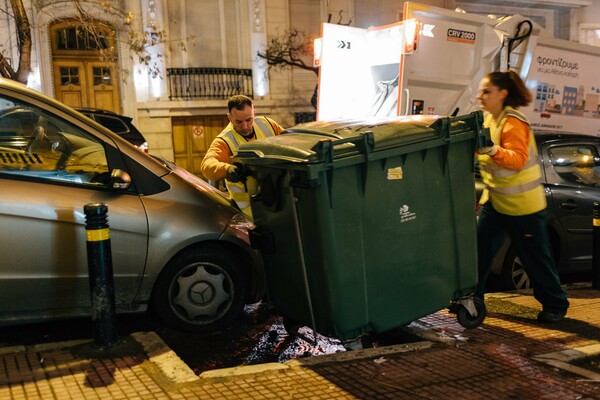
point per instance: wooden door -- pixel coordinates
(103, 88)
(192, 136)
(84, 65)
(81, 83)
(70, 83)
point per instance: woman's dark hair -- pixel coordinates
(518, 94)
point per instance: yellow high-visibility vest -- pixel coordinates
(237, 190)
(512, 192)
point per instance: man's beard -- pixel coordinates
(248, 136)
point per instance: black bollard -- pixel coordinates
(102, 288)
(596, 247)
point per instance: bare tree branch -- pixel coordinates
(23, 41)
(85, 16)
(290, 49)
(6, 71)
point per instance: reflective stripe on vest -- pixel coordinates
(237, 190)
(234, 139)
(513, 192)
(515, 189)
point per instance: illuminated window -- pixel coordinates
(589, 34)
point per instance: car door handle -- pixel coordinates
(570, 205)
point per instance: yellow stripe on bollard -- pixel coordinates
(97, 235)
(596, 221)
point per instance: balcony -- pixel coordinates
(208, 83)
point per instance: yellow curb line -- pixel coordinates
(161, 355)
(315, 360)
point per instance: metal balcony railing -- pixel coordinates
(301, 117)
(208, 83)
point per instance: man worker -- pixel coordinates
(243, 127)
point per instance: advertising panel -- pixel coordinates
(566, 91)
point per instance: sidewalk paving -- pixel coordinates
(511, 356)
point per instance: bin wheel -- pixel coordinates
(367, 342)
(364, 341)
(469, 321)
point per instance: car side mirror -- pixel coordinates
(120, 179)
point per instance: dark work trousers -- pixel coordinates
(529, 235)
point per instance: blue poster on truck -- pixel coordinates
(565, 84)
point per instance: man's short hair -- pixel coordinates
(239, 102)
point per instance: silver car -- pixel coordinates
(178, 245)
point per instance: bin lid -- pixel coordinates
(291, 147)
(304, 143)
(387, 132)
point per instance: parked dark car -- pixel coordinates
(571, 177)
(122, 125)
(178, 245)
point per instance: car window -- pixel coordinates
(577, 164)
(36, 144)
(114, 124)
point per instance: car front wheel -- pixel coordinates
(201, 290)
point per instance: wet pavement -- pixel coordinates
(511, 356)
(259, 337)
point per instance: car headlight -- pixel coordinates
(240, 226)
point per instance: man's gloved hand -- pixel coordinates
(234, 174)
(490, 149)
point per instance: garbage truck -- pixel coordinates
(432, 61)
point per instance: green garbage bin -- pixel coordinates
(364, 226)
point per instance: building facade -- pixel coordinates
(171, 64)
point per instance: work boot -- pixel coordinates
(551, 317)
